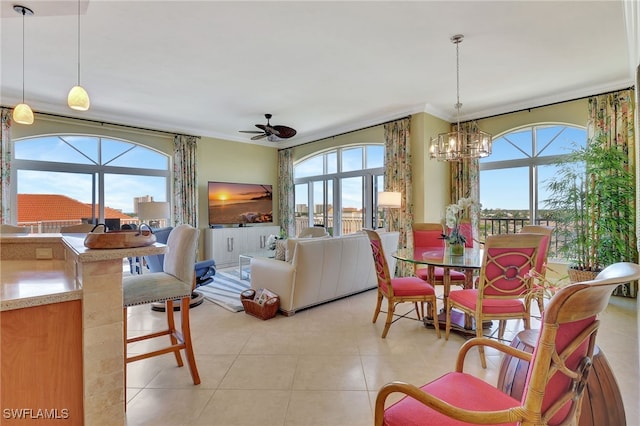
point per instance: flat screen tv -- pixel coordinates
(239, 203)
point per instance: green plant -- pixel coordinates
(591, 197)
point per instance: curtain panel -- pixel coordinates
(465, 179)
(398, 178)
(185, 180)
(5, 166)
(611, 123)
(286, 218)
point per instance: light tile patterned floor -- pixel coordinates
(322, 366)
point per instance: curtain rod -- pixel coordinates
(102, 123)
(550, 104)
(350, 131)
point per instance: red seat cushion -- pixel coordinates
(469, 299)
(458, 389)
(411, 286)
(438, 273)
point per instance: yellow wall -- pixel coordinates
(430, 177)
(573, 112)
(218, 160)
(221, 160)
(369, 135)
(226, 161)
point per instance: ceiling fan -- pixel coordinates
(272, 133)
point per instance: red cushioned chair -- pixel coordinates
(503, 283)
(556, 377)
(399, 290)
(543, 253)
(430, 235)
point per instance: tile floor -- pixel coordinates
(322, 366)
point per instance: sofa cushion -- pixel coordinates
(291, 245)
(281, 249)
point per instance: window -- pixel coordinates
(336, 189)
(86, 178)
(513, 178)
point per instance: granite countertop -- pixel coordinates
(27, 283)
(30, 282)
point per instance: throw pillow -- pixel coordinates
(281, 249)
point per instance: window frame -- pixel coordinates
(369, 185)
(530, 161)
(97, 171)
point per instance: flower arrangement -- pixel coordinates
(271, 239)
(454, 214)
(543, 286)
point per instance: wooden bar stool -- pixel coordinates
(175, 282)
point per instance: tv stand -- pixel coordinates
(225, 245)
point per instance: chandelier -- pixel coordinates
(460, 144)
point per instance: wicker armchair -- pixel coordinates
(503, 284)
(430, 235)
(543, 253)
(557, 371)
(399, 290)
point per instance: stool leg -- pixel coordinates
(172, 330)
(186, 337)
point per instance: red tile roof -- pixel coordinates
(37, 207)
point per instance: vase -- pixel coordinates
(456, 249)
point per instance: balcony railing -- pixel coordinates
(54, 226)
(486, 226)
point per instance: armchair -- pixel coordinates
(556, 377)
(399, 290)
(430, 235)
(502, 286)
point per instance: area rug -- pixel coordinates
(225, 290)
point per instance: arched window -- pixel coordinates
(513, 178)
(65, 179)
(337, 188)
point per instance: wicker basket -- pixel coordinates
(265, 311)
(579, 275)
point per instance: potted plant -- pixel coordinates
(591, 198)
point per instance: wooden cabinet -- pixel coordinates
(224, 245)
(42, 377)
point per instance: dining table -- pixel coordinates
(469, 263)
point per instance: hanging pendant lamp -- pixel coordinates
(460, 144)
(22, 113)
(78, 98)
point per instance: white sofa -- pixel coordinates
(319, 270)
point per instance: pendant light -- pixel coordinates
(22, 113)
(78, 98)
(460, 144)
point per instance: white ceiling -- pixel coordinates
(212, 68)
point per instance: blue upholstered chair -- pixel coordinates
(204, 270)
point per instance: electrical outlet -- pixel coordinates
(44, 253)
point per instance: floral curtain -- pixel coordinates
(185, 180)
(465, 179)
(5, 166)
(611, 121)
(285, 191)
(398, 178)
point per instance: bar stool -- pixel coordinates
(175, 282)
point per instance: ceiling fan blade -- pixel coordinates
(268, 129)
(285, 132)
(262, 136)
(249, 131)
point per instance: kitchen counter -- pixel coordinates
(54, 271)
